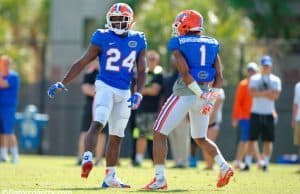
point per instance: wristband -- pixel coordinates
(195, 88)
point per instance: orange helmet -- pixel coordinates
(118, 24)
(187, 21)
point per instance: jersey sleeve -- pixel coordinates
(173, 44)
(143, 41)
(97, 38)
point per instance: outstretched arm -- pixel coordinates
(79, 65)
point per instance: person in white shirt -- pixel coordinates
(265, 89)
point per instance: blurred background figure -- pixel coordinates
(215, 120)
(265, 89)
(88, 89)
(30, 125)
(180, 137)
(296, 118)
(9, 88)
(147, 112)
(241, 117)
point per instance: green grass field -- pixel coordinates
(49, 174)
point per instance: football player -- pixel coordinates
(120, 50)
(198, 63)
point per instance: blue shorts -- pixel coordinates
(7, 120)
(244, 125)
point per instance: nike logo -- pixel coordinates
(111, 43)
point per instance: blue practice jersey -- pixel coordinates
(9, 96)
(200, 53)
(118, 56)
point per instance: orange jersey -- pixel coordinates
(242, 102)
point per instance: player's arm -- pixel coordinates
(187, 78)
(183, 67)
(79, 65)
(141, 71)
(219, 75)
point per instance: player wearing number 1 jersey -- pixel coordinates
(199, 66)
(120, 50)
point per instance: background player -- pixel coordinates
(198, 64)
(120, 50)
(9, 89)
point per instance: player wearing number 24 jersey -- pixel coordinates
(120, 50)
(118, 55)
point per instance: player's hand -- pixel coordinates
(206, 109)
(58, 86)
(135, 100)
(210, 95)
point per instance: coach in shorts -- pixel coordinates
(265, 88)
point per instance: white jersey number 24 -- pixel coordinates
(114, 56)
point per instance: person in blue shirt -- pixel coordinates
(199, 66)
(120, 51)
(9, 88)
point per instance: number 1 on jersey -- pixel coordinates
(202, 54)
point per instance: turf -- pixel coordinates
(50, 174)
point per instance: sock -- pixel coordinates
(3, 153)
(14, 153)
(110, 171)
(221, 161)
(159, 171)
(248, 160)
(87, 156)
(139, 158)
(267, 160)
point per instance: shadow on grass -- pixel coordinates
(78, 189)
(161, 191)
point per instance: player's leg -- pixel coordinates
(171, 114)
(141, 142)
(13, 146)
(180, 144)
(268, 137)
(255, 132)
(103, 103)
(117, 123)
(3, 140)
(81, 146)
(100, 146)
(199, 124)
(212, 133)
(243, 146)
(10, 137)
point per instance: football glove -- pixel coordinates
(210, 95)
(58, 86)
(206, 109)
(135, 100)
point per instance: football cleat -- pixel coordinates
(113, 183)
(156, 184)
(224, 177)
(86, 169)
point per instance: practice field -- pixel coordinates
(49, 174)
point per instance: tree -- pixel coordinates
(28, 32)
(220, 20)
